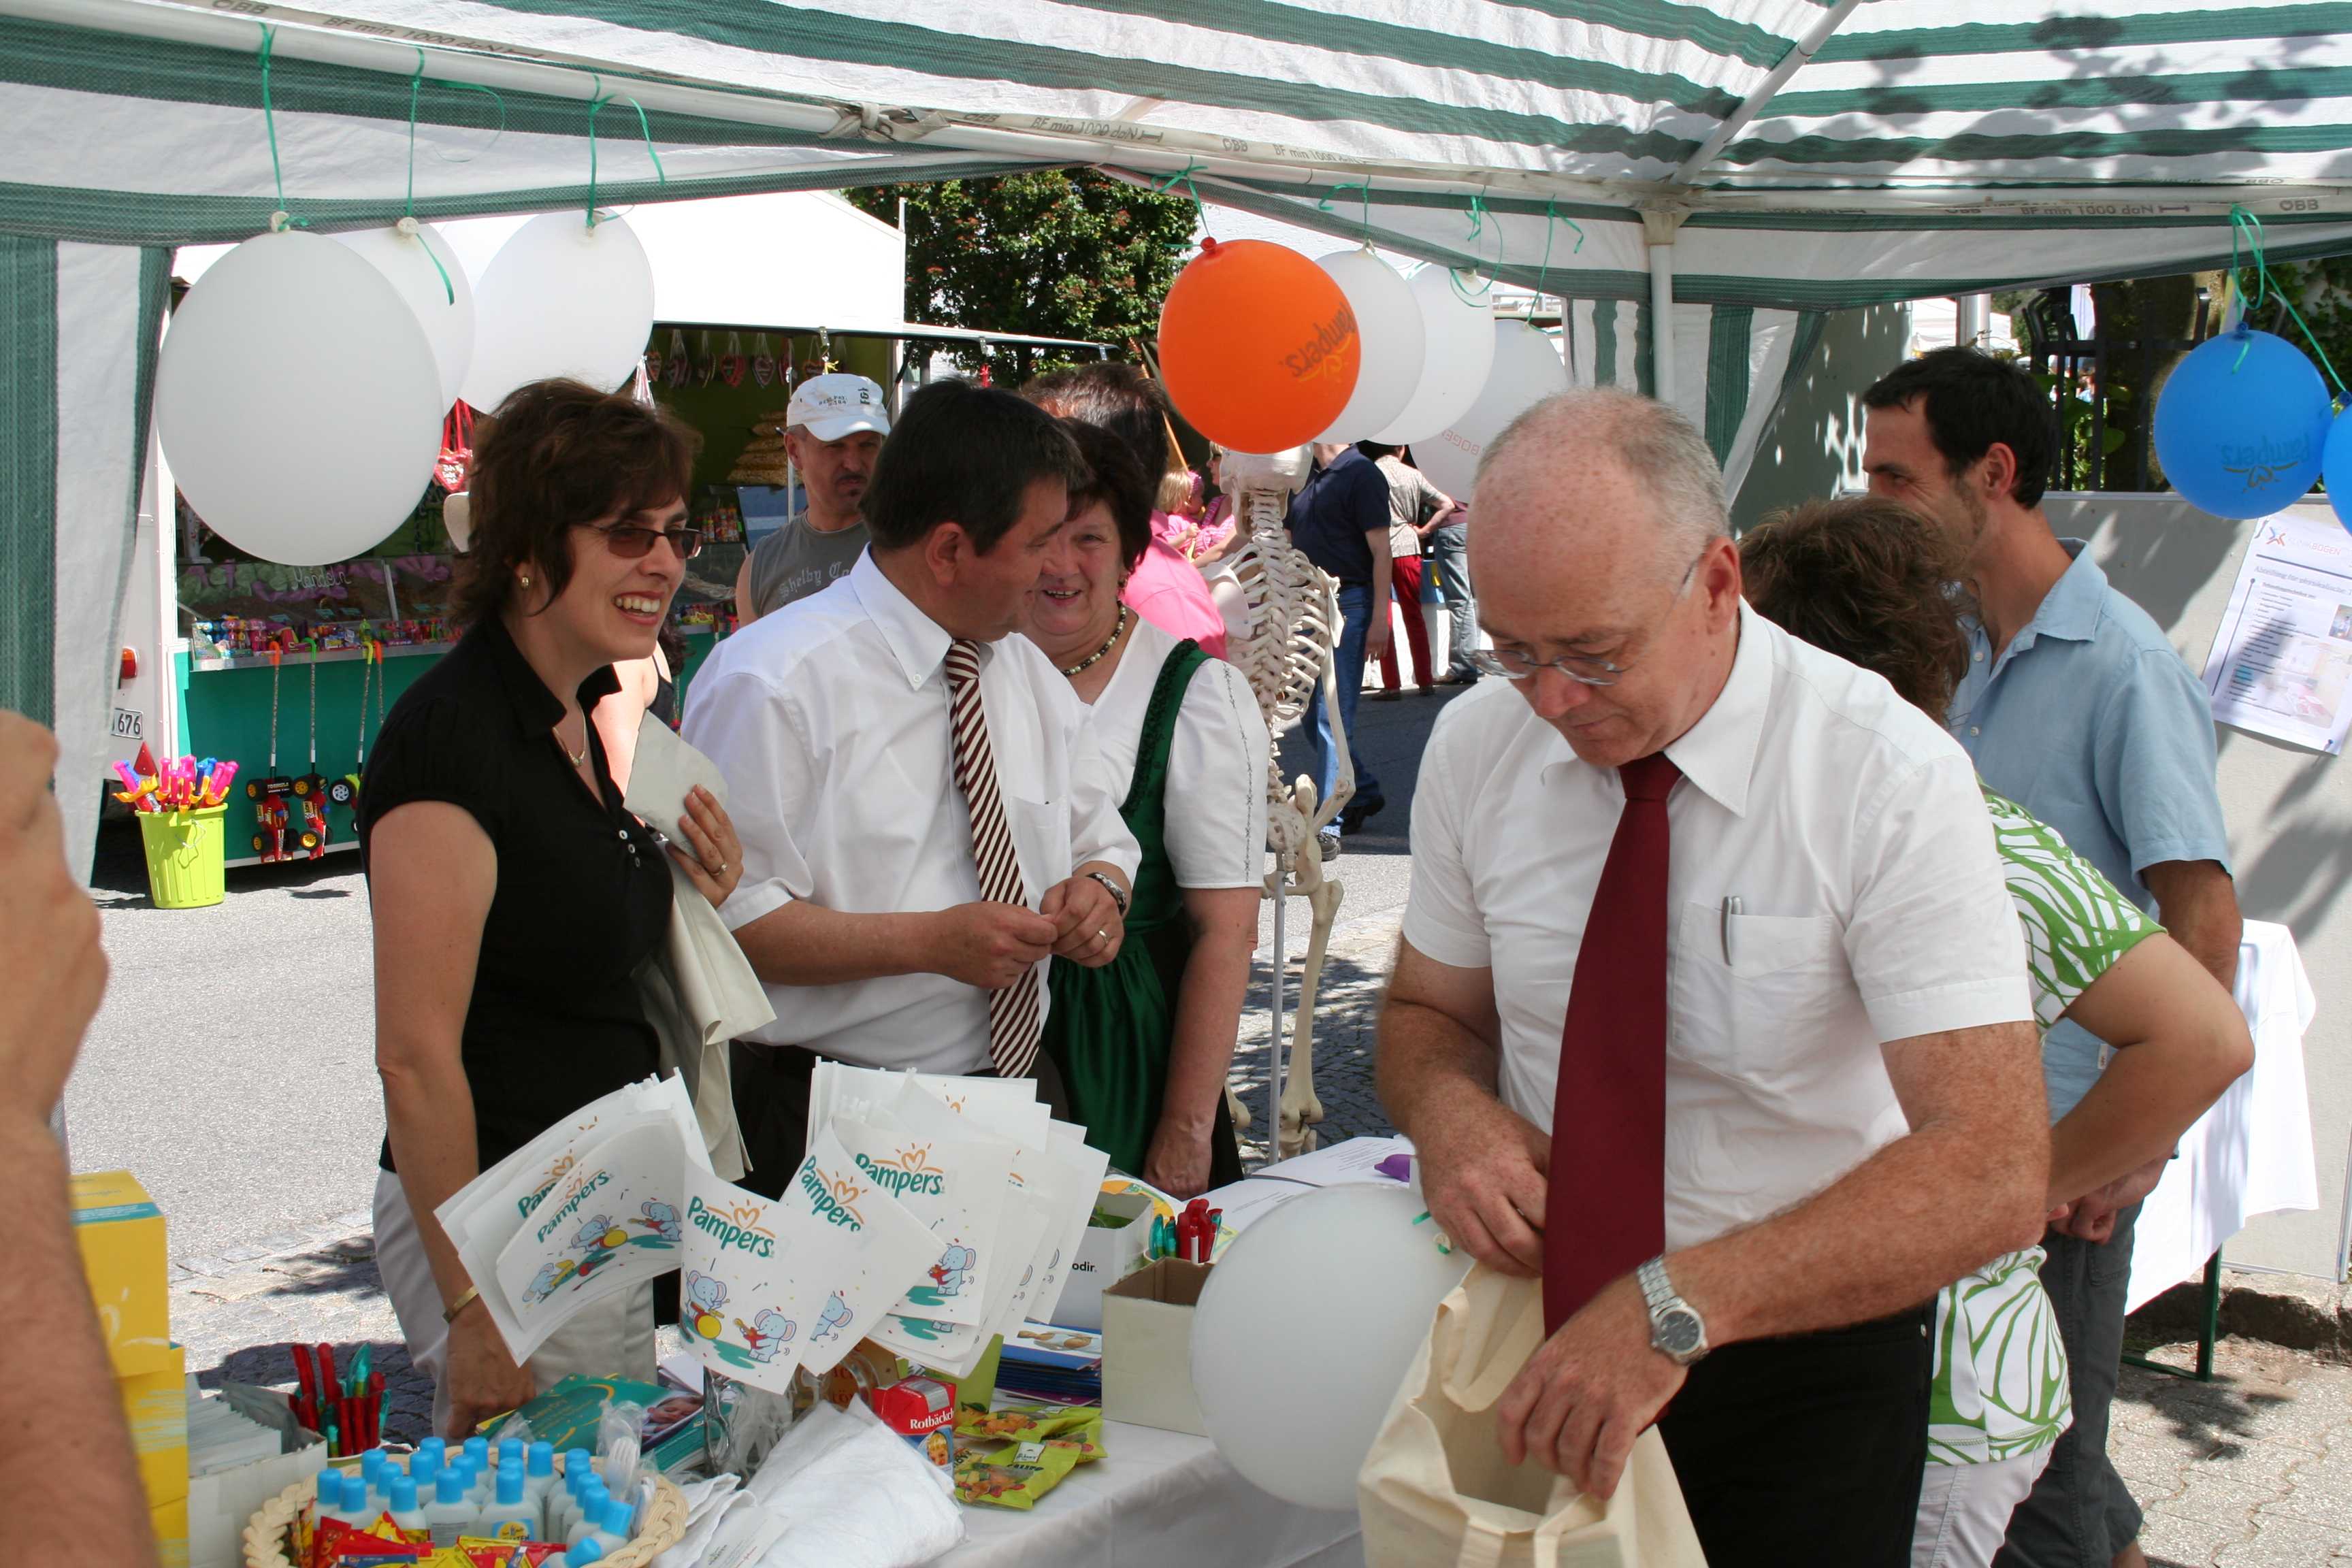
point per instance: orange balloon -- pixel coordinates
(1258, 347)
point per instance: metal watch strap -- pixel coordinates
(1117, 893)
(1657, 1291)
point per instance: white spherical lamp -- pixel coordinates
(1527, 369)
(1389, 331)
(1458, 347)
(421, 269)
(298, 401)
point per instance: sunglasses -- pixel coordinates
(631, 543)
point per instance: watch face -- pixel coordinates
(1678, 1331)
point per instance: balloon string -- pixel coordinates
(278, 219)
(1365, 186)
(595, 105)
(2242, 221)
(1477, 228)
(1199, 208)
(408, 213)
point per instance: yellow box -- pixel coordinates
(155, 1404)
(120, 1232)
(171, 1526)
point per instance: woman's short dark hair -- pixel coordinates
(558, 453)
(1871, 581)
(963, 453)
(1118, 482)
(1116, 396)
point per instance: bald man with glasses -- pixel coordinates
(1710, 1009)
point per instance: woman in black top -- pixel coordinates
(513, 898)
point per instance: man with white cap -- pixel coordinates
(833, 428)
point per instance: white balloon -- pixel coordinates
(445, 309)
(1458, 346)
(1389, 331)
(1318, 1307)
(1527, 369)
(561, 299)
(298, 401)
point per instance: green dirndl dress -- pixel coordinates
(1111, 1030)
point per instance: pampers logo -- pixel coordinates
(910, 1171)
(2260, 465)
(835, 1200)
(555, 1173)
(1327, 352)
(571, 1202)
(737, 1227)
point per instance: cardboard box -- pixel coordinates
(156, 1404)
(1107, 1255)
(1148, 1346)
(120, 1232)
(922, 1410)
(169, 1522)
(221, 1504)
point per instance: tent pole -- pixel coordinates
(1972, 319)
(1660, 229)
(1802, 51)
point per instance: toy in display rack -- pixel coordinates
(310, 789)
(345, 791)
(270, 792)
(176, 783)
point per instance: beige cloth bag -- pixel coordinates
(1435, 1488)
(699, 993)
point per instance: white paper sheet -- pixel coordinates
(956, 1186)
(662, 772)
(2282, 658)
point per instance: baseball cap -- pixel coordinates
(832, 406)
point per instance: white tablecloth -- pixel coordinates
(2251, 1153)
(1157, 1499)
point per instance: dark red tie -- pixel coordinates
(1605, 1208)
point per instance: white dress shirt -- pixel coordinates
(830, 722)
(1849, 828)
(1215, 801)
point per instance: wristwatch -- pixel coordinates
(1677, 1330)
(1117, 893)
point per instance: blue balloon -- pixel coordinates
(2335, 468)
(2242, 424)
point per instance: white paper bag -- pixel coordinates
(1435, 1489)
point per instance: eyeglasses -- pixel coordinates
(631, 543)
(1513, 665)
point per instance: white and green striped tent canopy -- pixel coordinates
(1701, 179)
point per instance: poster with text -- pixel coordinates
(2282, 659)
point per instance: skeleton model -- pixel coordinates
(1294, 611)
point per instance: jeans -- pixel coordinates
(2079, 1514)
(1448, 550)
(1348, 666)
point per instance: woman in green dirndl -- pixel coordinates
(1144, 1043)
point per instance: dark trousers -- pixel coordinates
(2079, 1514)
(772, 1104)
(1807, 1451)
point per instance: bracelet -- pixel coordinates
(449, 1313)
(1117, 894)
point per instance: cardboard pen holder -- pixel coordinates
(1147, 1371)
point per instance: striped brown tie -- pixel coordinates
(1016, 1014)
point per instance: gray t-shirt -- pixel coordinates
(797, 561)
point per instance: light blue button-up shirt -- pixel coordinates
(2091, 721)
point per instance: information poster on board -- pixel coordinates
(2281, 659)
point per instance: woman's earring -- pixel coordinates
(524, 579)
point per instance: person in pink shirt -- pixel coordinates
(1165, 589)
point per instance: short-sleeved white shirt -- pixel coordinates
(1215, 801)
(1851, 830)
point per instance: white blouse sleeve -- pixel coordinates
(1215, 800)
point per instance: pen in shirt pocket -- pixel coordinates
(1731, 908)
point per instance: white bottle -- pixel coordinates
(449, 1515)
(580, 1556)
(330, 1503)
(406, 1516)
(510, 1517)
(590, 1514)
(355, 1510)
(611, 1530)
(563, 1500)
(538, 1480)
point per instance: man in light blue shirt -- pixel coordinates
(2077, 708)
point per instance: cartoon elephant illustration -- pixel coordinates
(704, 1297)
(662, 1220)
(598, 1235)
(550, 1276)
(949, 1271)
(837, 1316)
(768, 1334)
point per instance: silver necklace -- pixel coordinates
(1118, 630)
(580, 757)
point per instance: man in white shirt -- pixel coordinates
(1710, 1007)
(913, 856)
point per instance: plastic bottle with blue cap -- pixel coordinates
(590, 1516)
(509, 1516)
(539, 1479)
(406, 1516)
(449, 1515)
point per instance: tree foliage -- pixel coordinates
(1053, 253)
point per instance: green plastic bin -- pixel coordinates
(185, 851)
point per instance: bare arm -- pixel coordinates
(432, 873)
(2180, 1042)
(619, 714)
(981, 944)
(745, 611)
(1483, 1165)
(68, 1481)
(2197, 902)
(1208, 1017)
(1965, 1186)
(1376, 635)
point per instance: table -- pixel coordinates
(1157, 1499)
(2250, 1155)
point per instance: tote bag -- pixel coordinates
(1436, 1490)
